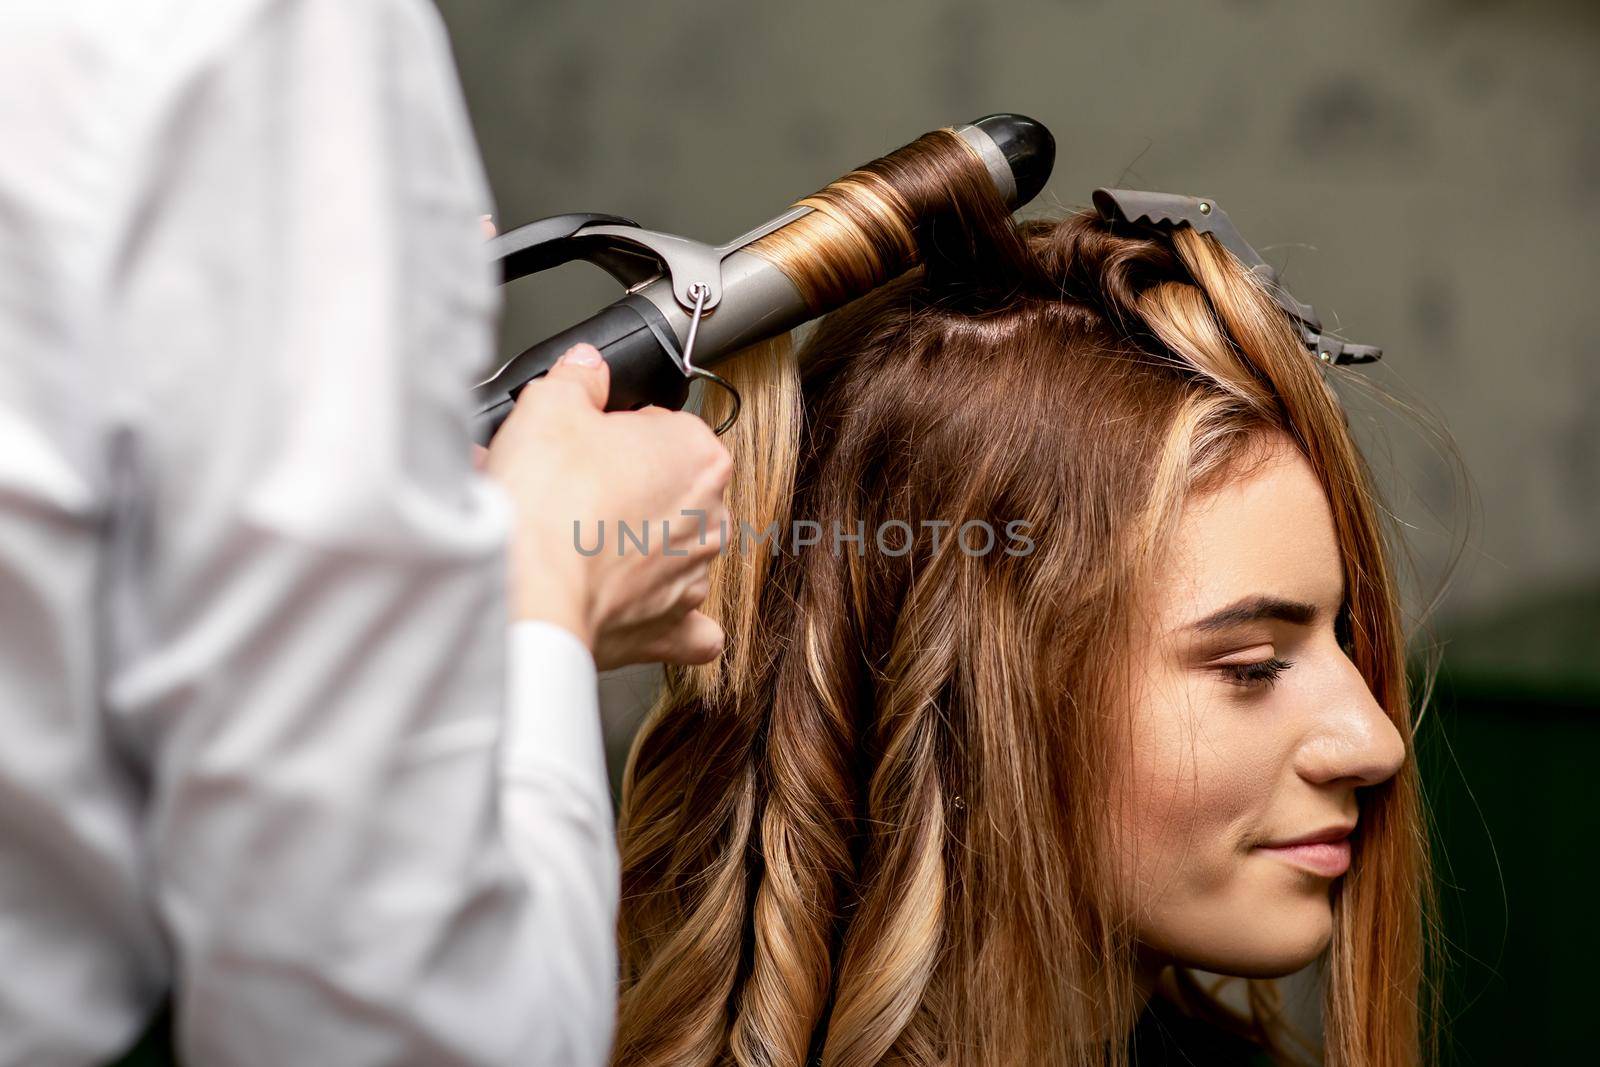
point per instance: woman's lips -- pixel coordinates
(1325, 854)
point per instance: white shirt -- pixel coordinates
(253, 657)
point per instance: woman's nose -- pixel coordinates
(1353, 739)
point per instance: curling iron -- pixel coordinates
(689, 305)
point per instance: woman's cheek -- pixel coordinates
(1198, 777)
(1163, 806)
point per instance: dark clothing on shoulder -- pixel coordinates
(1165, 1037)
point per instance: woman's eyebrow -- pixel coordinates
(1251, 608)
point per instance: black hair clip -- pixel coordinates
(1169, 209)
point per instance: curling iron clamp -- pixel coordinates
(689, 305)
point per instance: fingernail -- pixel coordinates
(582, 356)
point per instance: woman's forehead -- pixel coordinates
(1268, 532)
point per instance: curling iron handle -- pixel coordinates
(642, 372)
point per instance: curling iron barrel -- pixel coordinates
(690, 305)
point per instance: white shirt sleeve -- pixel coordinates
(256, 668)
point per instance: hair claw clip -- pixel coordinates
(1170, 209)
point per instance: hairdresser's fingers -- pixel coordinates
(582, 366)
(686, 638)
(696, 639)
(695, 592)
(697, 535)
(487, 221)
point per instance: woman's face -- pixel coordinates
(1251, 736)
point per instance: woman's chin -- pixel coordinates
(1280, 940)
(1269, 941)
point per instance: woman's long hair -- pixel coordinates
(877, 830)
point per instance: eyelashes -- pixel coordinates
(1265, 673)
(1261, 675)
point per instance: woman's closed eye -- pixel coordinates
(1260, 674)
(1263, 674)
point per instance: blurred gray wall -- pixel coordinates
(1428, 172)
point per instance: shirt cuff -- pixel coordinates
(553, 715)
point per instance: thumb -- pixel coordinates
(582, 365)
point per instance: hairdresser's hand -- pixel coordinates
(565, 461)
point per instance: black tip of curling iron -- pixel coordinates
(1027, 146)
